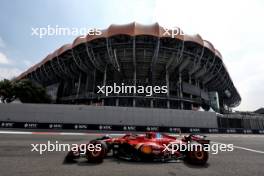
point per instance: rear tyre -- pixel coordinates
(96, 156)
(198, 157)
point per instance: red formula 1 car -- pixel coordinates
(151, 146)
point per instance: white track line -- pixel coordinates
(69, 133)
(15, 132)
(248, 149)
(243, 148)
(61, 133)
(235, 135)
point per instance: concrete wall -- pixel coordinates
(50, 113)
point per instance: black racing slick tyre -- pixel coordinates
(96, 156)
(71, 156)
(197, 157)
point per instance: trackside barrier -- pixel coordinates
(103, 127)
(108, 115)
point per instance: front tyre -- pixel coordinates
(71, 156)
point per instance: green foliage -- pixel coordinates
(6, 91)
(25, 90)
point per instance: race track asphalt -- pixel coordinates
(16, 158)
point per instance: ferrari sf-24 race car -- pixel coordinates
(151, 146)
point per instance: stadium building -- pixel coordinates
(135, 54)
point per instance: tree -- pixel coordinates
(6, 91)
(26, 90)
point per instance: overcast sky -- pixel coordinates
(235, 28)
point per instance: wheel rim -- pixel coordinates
(95, 153)
(199, 155)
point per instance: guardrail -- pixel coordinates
(126, 128)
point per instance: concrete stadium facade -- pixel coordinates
(135, 54)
